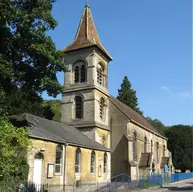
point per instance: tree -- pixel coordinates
(157, 124)
(28, 57)
(55, 106)
(13, 156)
(128, 96)
(23, 101)
(180, 144)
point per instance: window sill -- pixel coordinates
(80, 83)
(78, 119)
(77, 174)
(58, 174)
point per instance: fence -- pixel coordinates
(122, 181)
(61, 188)
(180, 176)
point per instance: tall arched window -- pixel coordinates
(145, 144)
(83, 73)
(164, 149)
(93, 162)
(77, 160)
(76, 74)
(102, 106)
(59, 154)
(134, 146)
(78, 107)
(105, 163)
(157, 152)
(151, 146)
(99, 74)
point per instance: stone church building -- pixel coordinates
(99, 137)
(137, 148)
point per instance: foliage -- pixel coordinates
(55, 106)
(13, 155)
(157, 124)
(128, 96)
(28, 57)
(180, 144)
(2, 102)
(23, 101)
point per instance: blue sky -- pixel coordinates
(150, 42)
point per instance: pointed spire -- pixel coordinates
(87, 5)
(86, 34)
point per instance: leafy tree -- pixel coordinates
(55, 106)
(128, 96)
(180, 144)
(157, 124)
(23, 101)
(28, 57)
(13, 156)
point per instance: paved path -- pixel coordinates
(186, 185)
(182, 186)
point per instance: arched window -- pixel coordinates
(93, 162)
(105, 162)
(83, 73)
(78, 107)
(77, 160)
(151, 146)
(100, 74)
(102, 106)
(80, 72)
(59, 154)
(164, 149)
(157, 152)
(145, 144)
(76, 74)
(134, 146)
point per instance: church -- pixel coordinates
(99, 137)
(137, 148)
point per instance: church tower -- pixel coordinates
(85, 103)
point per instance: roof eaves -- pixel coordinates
(47, 139)
(148, 129)
(68, 143)
(136, 121)
(87, 147)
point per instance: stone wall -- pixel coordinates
(119, 144)
(68, 176)
(48, 150)
(85, 175)
(122, 130)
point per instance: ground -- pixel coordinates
(186, 185)
(181, 186)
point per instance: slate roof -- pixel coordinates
(134, 116)
(53, 131)
(86, 35)
(145, 160)
(164, 161)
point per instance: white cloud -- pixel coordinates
(165, 89)
(185, 94)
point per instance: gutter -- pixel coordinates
(72, 144)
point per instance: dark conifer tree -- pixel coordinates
(127, 95)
